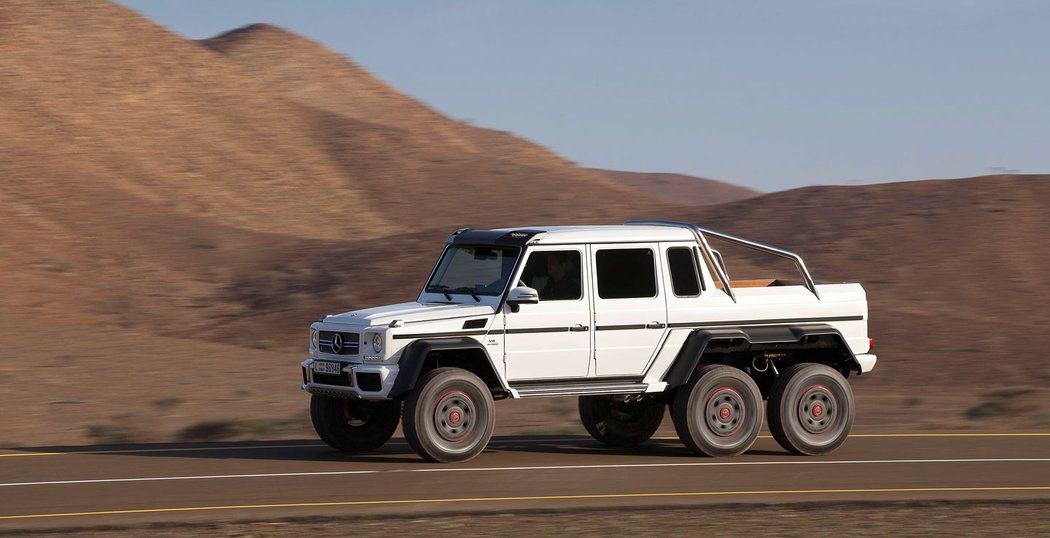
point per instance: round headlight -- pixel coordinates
(377, 343)
(314, 339)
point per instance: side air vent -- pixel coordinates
(475, 323)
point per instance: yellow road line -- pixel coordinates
(531, 498)
(910, 435)
(949, 435)
(500, 441)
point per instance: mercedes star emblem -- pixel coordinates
(337, 343)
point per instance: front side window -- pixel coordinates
(555, 274)
(473, 270)
(626, 273)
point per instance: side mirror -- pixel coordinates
(522, 295)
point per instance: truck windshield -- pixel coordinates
(473, 270)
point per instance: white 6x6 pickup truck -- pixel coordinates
(630, 318)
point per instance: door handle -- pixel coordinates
(579, 328)
(654, 325)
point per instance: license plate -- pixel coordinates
(331, 368)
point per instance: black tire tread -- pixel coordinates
(325, 415)
(589, 408)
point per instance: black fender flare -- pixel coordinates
(693, 348)
(414, 354)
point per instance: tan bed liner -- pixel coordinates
(761, 283)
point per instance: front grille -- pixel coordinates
(350, 343)
(342, 380)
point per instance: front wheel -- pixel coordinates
(449, 416)
(620, 422)
(354, 425)
(810, 409)
(719, 412)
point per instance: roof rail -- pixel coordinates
(701, 238)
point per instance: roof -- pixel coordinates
(548, 235)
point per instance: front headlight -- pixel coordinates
(377, 343)
(314, 340)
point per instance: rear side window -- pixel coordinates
(625, 273)
(684, 278)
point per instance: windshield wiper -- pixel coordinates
(469, 291)
(442, 288)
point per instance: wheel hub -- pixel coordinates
(454, 416)
(816, 409)
(723, 412)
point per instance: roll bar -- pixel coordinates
(713, 259)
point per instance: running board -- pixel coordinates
(535, 391)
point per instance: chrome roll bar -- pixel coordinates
(713, 259)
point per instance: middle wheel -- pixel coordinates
(719, 412)
(618, 422)
(449, 416)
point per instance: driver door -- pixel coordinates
(553, 338)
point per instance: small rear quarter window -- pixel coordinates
(685, 279)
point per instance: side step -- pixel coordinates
(582, 389)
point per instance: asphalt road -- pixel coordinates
(92, 486)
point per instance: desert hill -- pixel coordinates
(212, 198)
(317, 77)
(681, 188)
(414, 162)
(141, 170)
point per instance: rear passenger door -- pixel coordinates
(630, 315)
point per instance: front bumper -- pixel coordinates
(355, 380)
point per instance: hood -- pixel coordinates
(410, 313)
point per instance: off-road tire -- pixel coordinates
(614, 422)
(449, 416)
(354, 425)
(810, 409)
(718, 412)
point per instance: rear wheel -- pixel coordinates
(810, 409)
(354, 425)
(719, 412)
(449, 416)
(614, 421)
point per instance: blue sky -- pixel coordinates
(768, 94)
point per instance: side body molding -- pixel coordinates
(700, 339)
